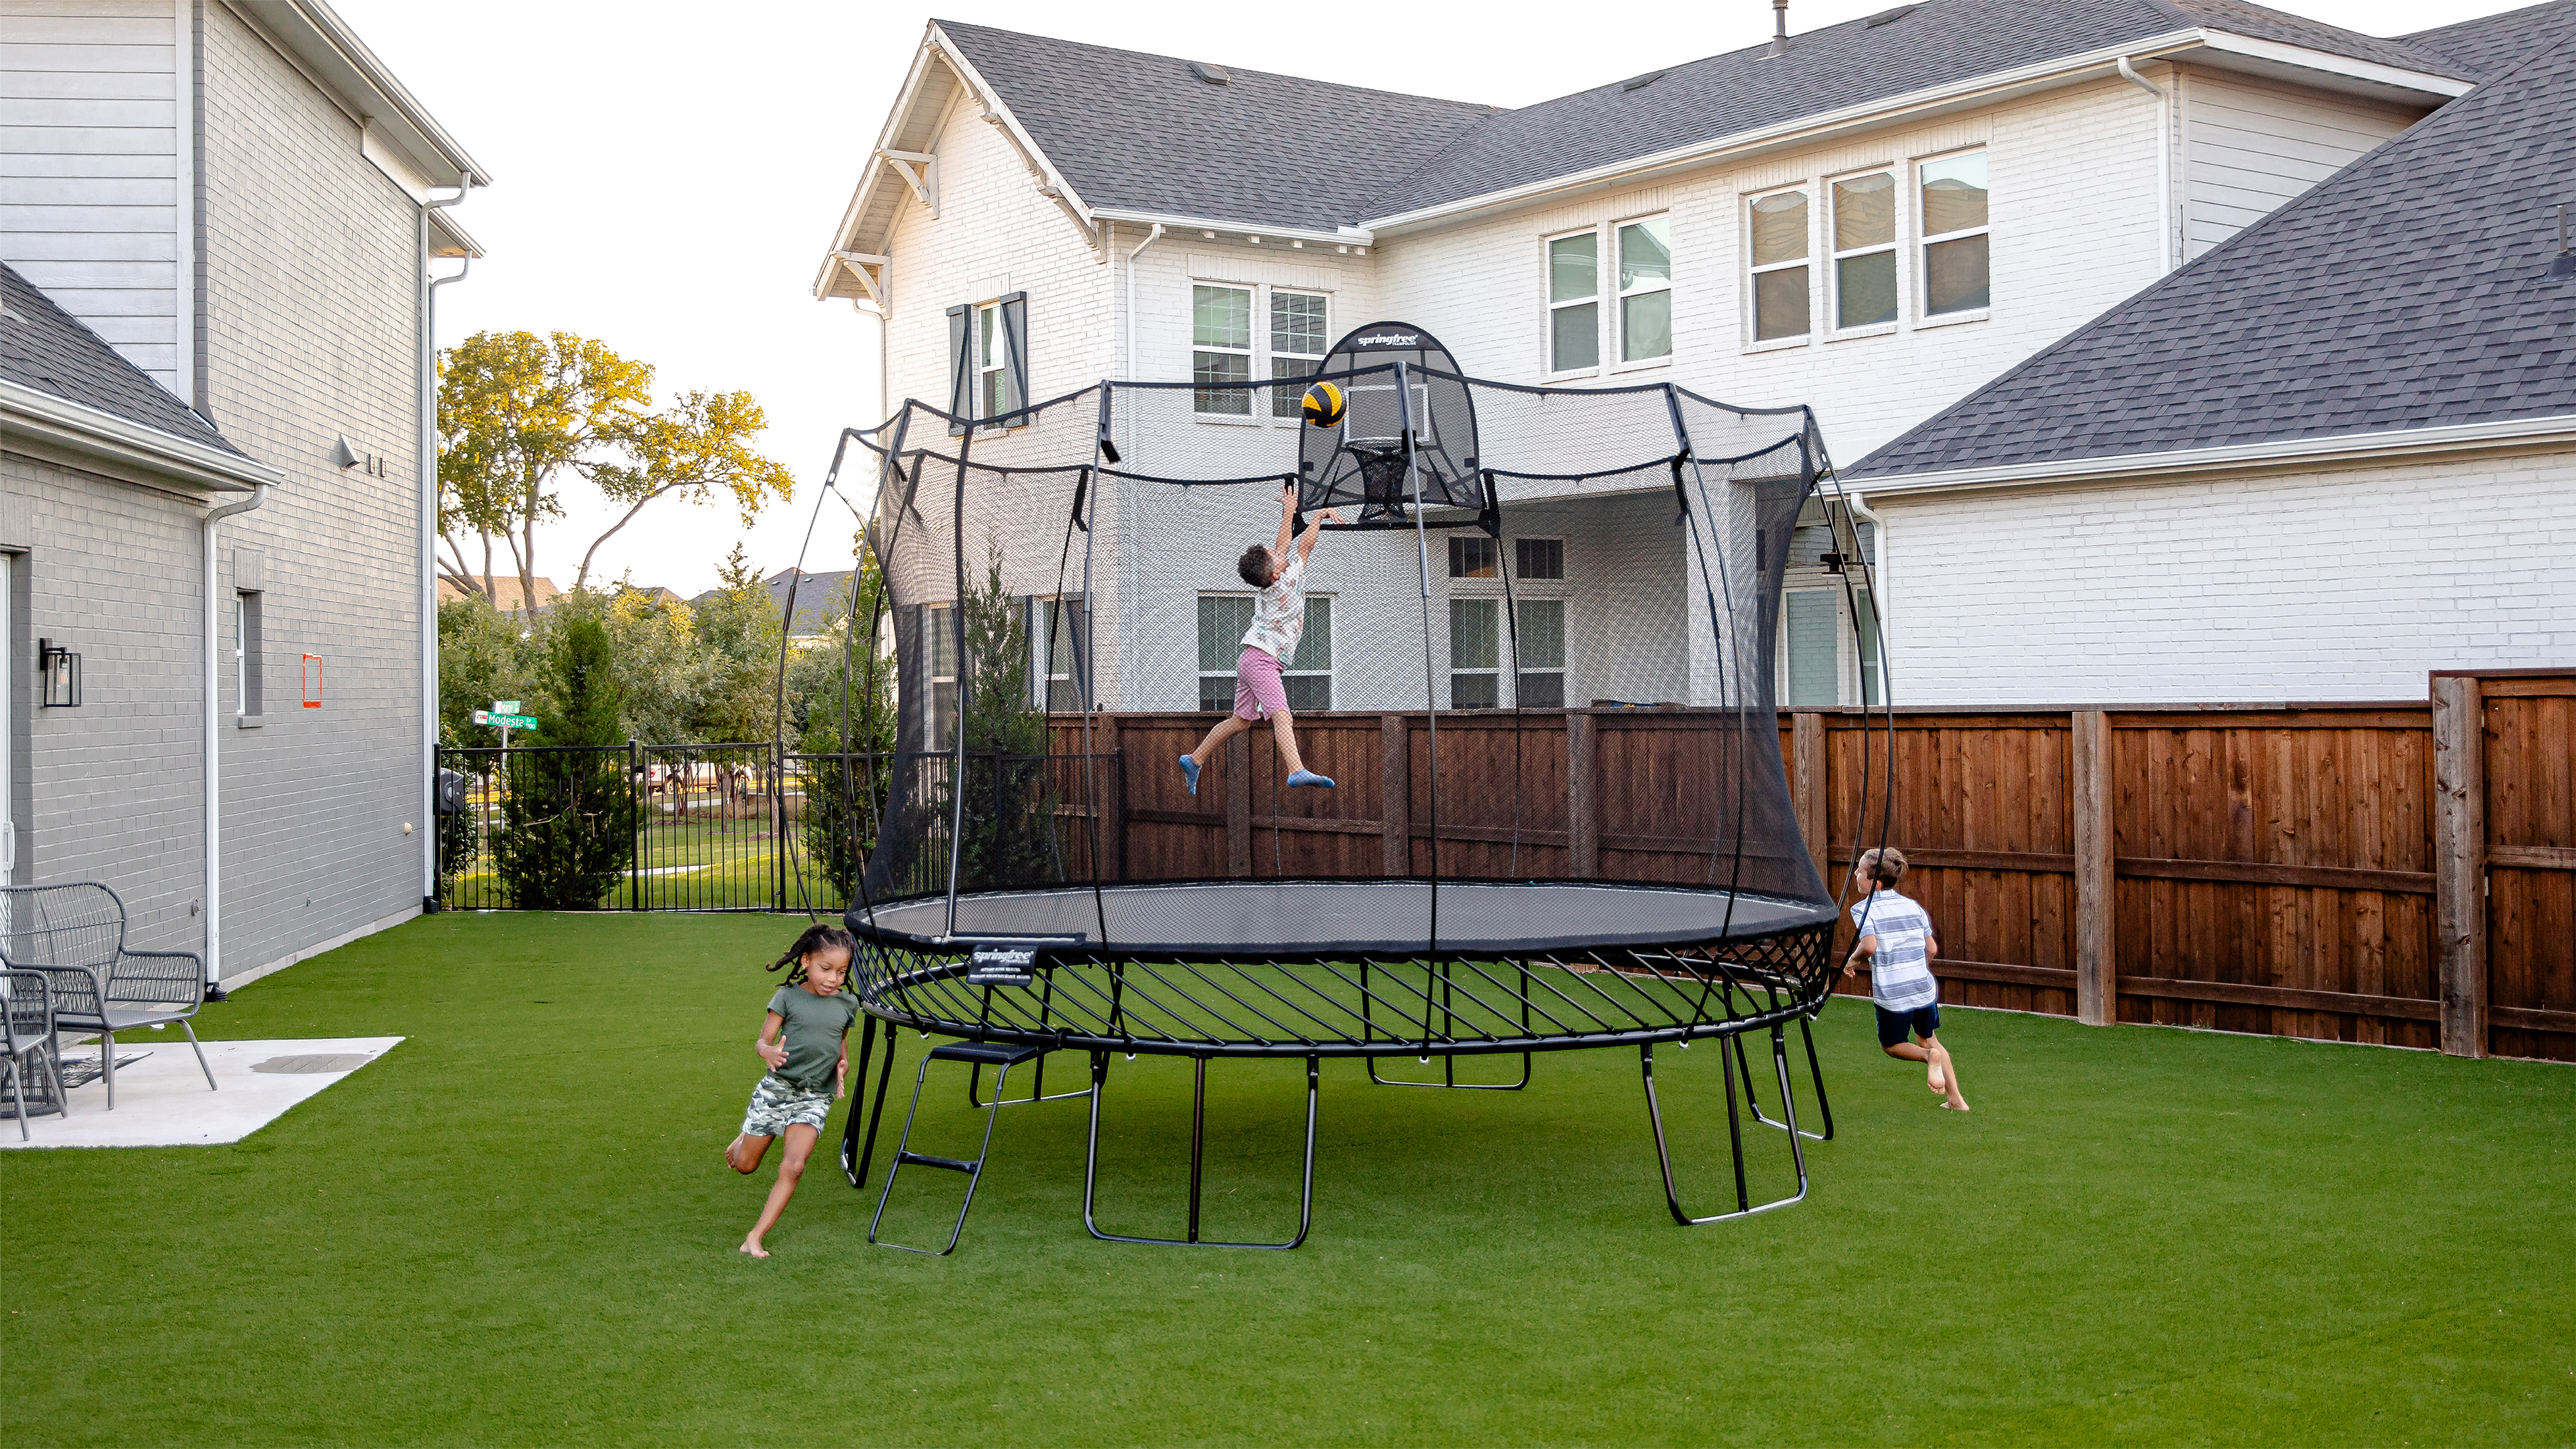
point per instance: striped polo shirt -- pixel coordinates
(1900, 973)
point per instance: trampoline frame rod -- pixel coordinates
(1449, 1060)
(1198, 1159)
(1745, 1207)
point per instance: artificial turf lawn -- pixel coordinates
(514, 1228)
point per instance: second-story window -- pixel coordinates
(1865, 250)
(1956, 272)
(1646, 289)
(1778, 247)
(1298, 328)
(1574, 302)
(1221, 349)
(988, 359)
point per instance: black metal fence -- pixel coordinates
(727, 827)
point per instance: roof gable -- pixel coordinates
(1144, 132)
(2407, 291)
(47, 349)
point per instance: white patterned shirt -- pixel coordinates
(1900, 971)
(1279, 611)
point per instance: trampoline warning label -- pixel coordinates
(1001, 966)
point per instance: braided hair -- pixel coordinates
(815, 938)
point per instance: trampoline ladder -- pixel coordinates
(1000, 1056)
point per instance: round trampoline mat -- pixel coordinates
(1291, 918)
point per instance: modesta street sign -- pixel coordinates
(505, 721)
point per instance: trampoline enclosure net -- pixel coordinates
(1549, 614)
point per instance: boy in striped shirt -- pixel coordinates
(1898, 942)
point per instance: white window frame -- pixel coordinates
(940, 623)
(1618, 304)
(1923, 242)
(1754, 341)
(1836, 254)
(1329, 674)
(1261, 358)
(1456, 540)
(1520, 577)
(992, 359)
(1493, 601)
(1547, 294)
(1044, 670)
(1267, 364)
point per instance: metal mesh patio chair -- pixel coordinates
(27, 1007)
(75, 935)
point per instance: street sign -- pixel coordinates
(513, 721)
(505, 706)
(482, 716)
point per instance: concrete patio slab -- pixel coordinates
(162, 1100)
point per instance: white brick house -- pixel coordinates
(1799, 212)
(214, 486)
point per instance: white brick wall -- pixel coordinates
(2347, 583)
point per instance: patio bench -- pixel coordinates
(75, 935)
(27, 1021)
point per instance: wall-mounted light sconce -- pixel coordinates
(58, 672)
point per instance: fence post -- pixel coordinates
(1807, 750)
(1238, 805)
(2459, 862)
(1395, 794)
(636, 796)
(2097, 968)
(1582, 812)
(1110, 813)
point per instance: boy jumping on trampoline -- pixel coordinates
(1899, 943)
(1278, 618)
(805, 1042)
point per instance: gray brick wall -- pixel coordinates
(311, 335)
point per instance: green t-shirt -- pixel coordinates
(812, 1035)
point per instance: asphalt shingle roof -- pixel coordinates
(46, 348)
(1933, 44)
(1145, 133)
(2409, 290)
(2490, 42)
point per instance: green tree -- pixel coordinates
(517, 412)
(738, 632)
(663, 669)
(841, 702)
(1010, 836)
(483, 655)
(569, 820)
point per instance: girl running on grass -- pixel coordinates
(805, 1042)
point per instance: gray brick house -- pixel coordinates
(214, 436)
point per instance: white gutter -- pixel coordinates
(1127, 363)
(1894, 110)
(2164, 164)
(425, 470)
(2403, 443)
(214, 753)
(33, 413)
(1343, 236)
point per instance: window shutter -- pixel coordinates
(1015, 347)
(961, 366)
(911, 682)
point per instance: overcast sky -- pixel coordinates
(667, 176)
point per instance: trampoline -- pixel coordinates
(1512, 870)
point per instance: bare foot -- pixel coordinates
(1954, 1106)
(753, 1247)
(1937, 1081)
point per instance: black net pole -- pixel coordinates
(965, 680)
(1430, 682)
(881, 548)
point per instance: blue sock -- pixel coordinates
(1309, 777)
(1190, 772)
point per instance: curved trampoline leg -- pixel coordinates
(1198, 1143)
(856, 1151)
(1815, 1072)
(1745, 1207)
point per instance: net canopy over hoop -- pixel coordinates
(1538, 653)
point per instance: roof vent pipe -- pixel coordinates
(2563, 265)
(1780, 20)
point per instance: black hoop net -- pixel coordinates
(1538, 650)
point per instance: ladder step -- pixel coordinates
(924, 1159)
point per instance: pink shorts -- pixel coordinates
(1257, 688)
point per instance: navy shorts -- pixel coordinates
(1893, 1025)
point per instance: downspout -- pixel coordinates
(425, 469)
(2164, 164)
(214, 751)
(1129, 622)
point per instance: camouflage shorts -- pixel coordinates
(777, 1103)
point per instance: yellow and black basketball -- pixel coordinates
(1323, 405)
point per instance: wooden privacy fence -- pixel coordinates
(2400, 873)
